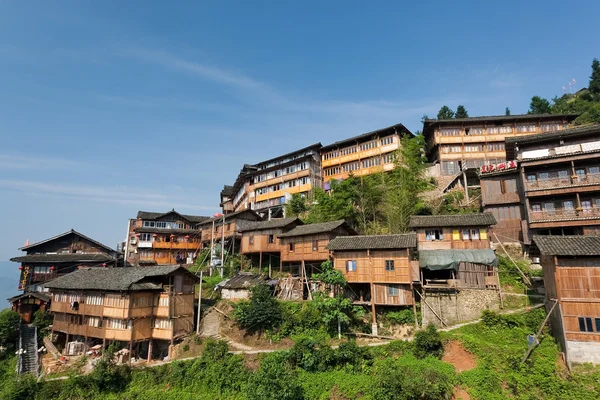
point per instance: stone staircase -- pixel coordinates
(28, 359)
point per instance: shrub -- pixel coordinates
(9, 328)
(274, 380)
(428, 343)
(261, 313)
(402, 317)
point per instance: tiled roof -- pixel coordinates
(72, 231)
(227, 190)
(542, 137)
(113, 279)
(230, 216)
(438, 221)
(147, 215)
(274, 223)
(26, 295)
(517, 117)
(568, 245)
(312, 229)
(58, 258)
(373, 242)
(400, 128)
(243, 280)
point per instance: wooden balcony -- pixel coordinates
(360, 155)
(564, 215)
(76, 329)
(281, 193)
(164, 334)
(83, 309)
(562, 183)
(118, 334)
(175, 245)
(280, 179)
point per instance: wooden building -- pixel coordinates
(137, 306)
(362, 155)
(458, 268)
(380, 270)
(51, 258)
(460, 143)
(226, 203)
(551, 186)
(168, 238)
(571, 267)
(261, 239)
(307, 245)
(266, 186)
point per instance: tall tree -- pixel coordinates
(461, 112)
(445, 113)
(594, 86)
(539, 105)
(507, 111)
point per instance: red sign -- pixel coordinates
(503, 166)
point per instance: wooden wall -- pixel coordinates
(70, 243)
(261, 241)
(509, 218)
(303, 248)
(375, 270)
(142, 329)
(451, 242)
(571, 313)
(500, 189)
(382, 297)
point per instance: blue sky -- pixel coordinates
(110, 107)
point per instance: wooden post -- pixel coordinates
(533, 344)
(269, 265)
(525, 278)
(280, 264)
(374, 329)
(431, 308)
(260, 261)
(130, 351)
(466, 187)
(412, 290)
(149, 350)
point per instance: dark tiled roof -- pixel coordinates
(271, 224)
(230, 216)
(517, 117)
(568, 245)
(113, 279)
(147, 215)
(227, 191)
(438, 221)
(373, 242)
(315, 146)
(313, 229)
(58, 258)
(400, 128)
(37, 295)
(243, 280)
(72, 231)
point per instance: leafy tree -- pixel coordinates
(9, 328)
(594, 86)
(42, 320)
(507, 111)
(539, 105)
(274, 380)
(445, 113)
(461, 112)
(330, 275)
(261, 313)
(296, 206)
(428, 343)
(336, 312)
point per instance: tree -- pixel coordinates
(274, 380)
(507, 111)
(337, 312)
(539, 105)
(9, 328)
(296, 206)
(42, 320)
(428, 343)
(594, 86)
(330, 275)
(461, 112)
(445, 113)
(261, 313)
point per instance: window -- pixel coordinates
(499, 129)
(163, 323)
(548, 206)
(388, 158)
(549, 127)
(474, 131)
(146, 237)
(367, 146)
(475, 234)
(112, 323)
(271, 239)
(568, 205)
(389, 265)
(387, 140)
(393, 291)
(531, 178)
(542, 176)
(536, 207)
(594, 170)
(114, 301)
(351, 265)
(60, 298)
(291, 247)
(149, 224)
(251, 239)
(465, 234)
(586, 205)
(450, 132)
(495, 147)
(93, 321)
(132, 240)
(434, 234)
(41, 270)
(315, 245)
(163, 301)
(94, 300)
(525, 128)
(580, 173)
(585, 324)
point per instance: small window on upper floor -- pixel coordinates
(291, 247)
(434, 234)
(271, 239)
(585, 324)
(251, 239)
(315, 245)
(389, 265)
(351, 265)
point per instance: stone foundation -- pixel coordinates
(583, 352)
(462, 306)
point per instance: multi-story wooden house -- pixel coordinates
(571, 266)
(51, 258)
(380, 270)
(456, 261)
(551, 185)
(266, 186)
(139, 306)
(227, 199)
(307, 245)
(362, 155)
(163, 238)
(457, 144)
(261, 238)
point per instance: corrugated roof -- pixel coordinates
(148, 215)
(274, 223)
(113, 279)
(243, 280)
(58, 258)
(313, 229)
(568, 245)
(400, 128)
(403, 241)
(72, 231)
(438, 221)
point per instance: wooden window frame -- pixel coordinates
(389, 265)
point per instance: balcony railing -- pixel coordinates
(580, 180)
(562, 214)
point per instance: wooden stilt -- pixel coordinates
(260, 261)
(130, 351)
(149, 350)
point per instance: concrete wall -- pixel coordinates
(235, 294)
(454, 308)
(583, 352)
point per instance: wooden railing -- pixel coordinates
(175, 245)
(559, 183)
(562, 214)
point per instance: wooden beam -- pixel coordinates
(431, 308)
(532, 345)
(525, 278)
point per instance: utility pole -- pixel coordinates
(212, 247)
(199, 307)
(222, 245)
